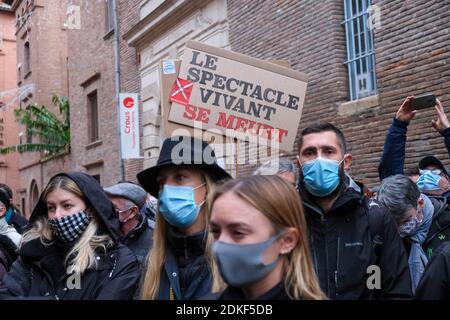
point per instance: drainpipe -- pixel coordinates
(117, 78)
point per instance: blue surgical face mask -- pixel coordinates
(177, 205)
(321, 176)
(428, 181)
(242, 264)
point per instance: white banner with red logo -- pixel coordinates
(129, 125)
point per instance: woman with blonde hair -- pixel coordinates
(259, 242)
(71, 250)
(182, 180)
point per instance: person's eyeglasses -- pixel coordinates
(433, 171)
(122, 211)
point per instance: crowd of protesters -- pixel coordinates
(295, 230)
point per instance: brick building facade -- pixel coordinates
(92, 70)
(41, 40)
(9, 130)
(412, 50)
(94, 133)
(129, 66)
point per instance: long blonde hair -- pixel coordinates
(82, 256)
(157, 256)
(281, 204)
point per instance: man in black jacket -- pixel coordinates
(357, 251)
(435, 283)
(128, 200)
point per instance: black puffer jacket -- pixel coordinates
(140, 239)
(8, 254)
(40, 272)
(276, 293)
(186, 274)
(342, 250)
(439, 231)
(435, 281)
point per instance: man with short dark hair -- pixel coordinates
(128, 200)
(349, 234)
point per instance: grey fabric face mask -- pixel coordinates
(241, 264)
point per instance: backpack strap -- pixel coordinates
(375, 214)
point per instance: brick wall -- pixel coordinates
(9, 131)
(47, 36)
(307, 34)
(412, 51)
(129, 67)
(90, 53)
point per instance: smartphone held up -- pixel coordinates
(423, 101)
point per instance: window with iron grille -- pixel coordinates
(360, 52)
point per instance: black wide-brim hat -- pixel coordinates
(182, 150)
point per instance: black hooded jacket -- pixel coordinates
(342, 250)
(8, 253)
(40, 271)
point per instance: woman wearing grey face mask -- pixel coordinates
(259, 245)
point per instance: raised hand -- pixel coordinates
(441, 123)
(406, 112)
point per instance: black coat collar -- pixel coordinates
(276, 293)
(189, 247)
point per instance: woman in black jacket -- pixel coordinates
(72, 249)
(182, 179)
(259, 242)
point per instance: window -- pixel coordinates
(109, 15)
(26, 57)
(23, 205)
(19, 73)
(360, 53)
(92, 116)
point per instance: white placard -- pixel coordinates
(129, 125)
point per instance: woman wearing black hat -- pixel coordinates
(182, 180)
(72, 249)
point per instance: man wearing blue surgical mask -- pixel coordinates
(341, 234)
(434, 178)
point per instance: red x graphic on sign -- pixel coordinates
(181, 91)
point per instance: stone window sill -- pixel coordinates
(357, 106)
(94, 144)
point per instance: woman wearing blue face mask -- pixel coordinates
(183, 178)
(259, 242)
